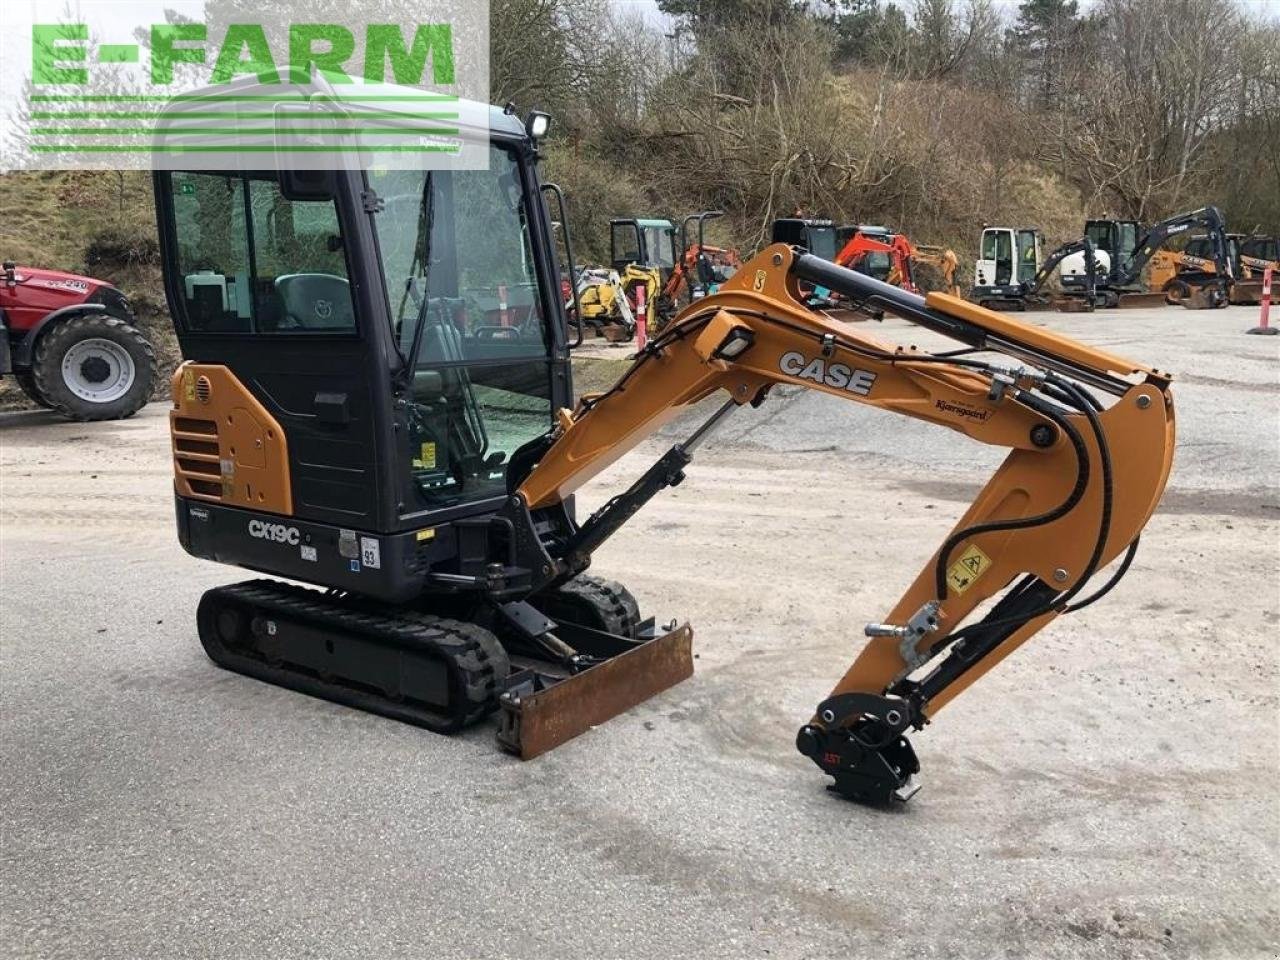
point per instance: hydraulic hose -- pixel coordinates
(1023, 523)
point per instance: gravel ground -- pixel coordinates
(1109, 791)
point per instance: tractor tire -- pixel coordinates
(1175, 291)
(94, 367)
(27, 384)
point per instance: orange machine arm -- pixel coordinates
(899, 250)
(688, 264)
(1077, 487)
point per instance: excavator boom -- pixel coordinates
(1080, 481)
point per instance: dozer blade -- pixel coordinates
(1139, 300)
(546, 712)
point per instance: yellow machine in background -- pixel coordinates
(1182, 275)
(943, 260)
(608, 300)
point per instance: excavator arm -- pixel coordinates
(1080, 481)
(1051, 262)
(1208, 217)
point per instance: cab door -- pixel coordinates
(1028, 255)
(261, 282)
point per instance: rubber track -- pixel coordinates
(610, 599)
(475, 660)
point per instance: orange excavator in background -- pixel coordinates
(701, 267)
(867, 248)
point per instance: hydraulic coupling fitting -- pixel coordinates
(921, 624)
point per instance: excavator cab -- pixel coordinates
(1008, 264)
(875, 263)
(1008, 257)
(1118, 239)
(647, 243)
(396, 327)
(816, 236)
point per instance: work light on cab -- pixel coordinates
(537, 124)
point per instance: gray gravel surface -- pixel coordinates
(1110, 791)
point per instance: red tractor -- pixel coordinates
(71, 344)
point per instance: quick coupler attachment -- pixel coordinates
(870, 759)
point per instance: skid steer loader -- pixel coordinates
(354, 419)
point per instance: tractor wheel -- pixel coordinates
(27, 383)
(1175, 291)
(94, 367)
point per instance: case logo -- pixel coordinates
(818, 370)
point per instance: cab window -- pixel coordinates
(625, 243)
(660, 246)
(462, 285)
(252, 261)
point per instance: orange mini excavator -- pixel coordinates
(866, 247)
(361, 410)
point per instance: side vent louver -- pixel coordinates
(195, 456)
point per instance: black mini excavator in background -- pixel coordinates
(1128, 257)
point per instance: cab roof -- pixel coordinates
(641, 222)
(385, 99)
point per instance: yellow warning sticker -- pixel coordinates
(761, 277)
(427, 534)
(426, 459)
(964, 573)
(189, 384)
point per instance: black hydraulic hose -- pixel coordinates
(1108, 493)
(1023, 523)
(884, 356)
(1114, 579)
(1071, 400)
(1060, 602)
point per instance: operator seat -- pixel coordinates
(316, 301)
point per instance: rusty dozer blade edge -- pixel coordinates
(533, 723)
(1142, 300)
